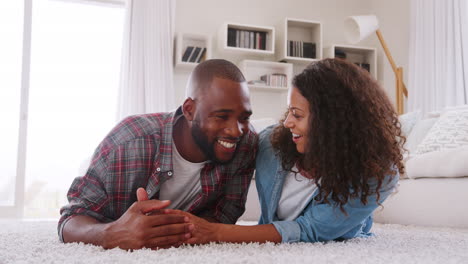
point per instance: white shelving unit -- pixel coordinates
(272, 98)
(269, 41)
(184, 40)
(356, 54)
(254, 69)
(299, 30)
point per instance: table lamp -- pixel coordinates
(358, 28)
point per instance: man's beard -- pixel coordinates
(203, 143)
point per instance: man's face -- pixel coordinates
(221, 119)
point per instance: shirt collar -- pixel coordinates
(165, 145)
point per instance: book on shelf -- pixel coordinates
(309, 50)
(241, 38)
(365, 66)
(301, 49)
(265, 38)
(187, 53)
(248, 39)
(252, 40)
(256, 82)
(275, 79)
(232, 37)
(257, 40)
(194, 55)
(340, 54)
(201, 55)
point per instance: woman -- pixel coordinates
(331, 162)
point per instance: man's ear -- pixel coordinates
(188, 108)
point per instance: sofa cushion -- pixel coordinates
(450, 131)
(448, 163)
(418, 133)
(408, 121)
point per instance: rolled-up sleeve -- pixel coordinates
(324, 222)
(86, 196)
(290, 231)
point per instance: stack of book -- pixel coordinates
(247, 39)
(275, 79)
(194, 54)
(365, 66)
(301, 49)
(340, 54)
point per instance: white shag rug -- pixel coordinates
(37, 242)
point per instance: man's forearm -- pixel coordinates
(210, 219)
(84, 229)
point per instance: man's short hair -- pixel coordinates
(203, 74)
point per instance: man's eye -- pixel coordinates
(247, 118)
(223, 117)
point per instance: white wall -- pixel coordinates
(207, 16)
(394, 19)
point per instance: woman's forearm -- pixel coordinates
(239, 234)
(206, 232)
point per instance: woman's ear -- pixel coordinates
(188, 108)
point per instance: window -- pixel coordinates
(74, 80)
(11, 31)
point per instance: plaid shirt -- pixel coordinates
(138, 153)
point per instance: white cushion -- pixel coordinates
(433, 114)
(445, 163)
(437, 113)
(408, 121)
(450, 131)
(458, 107)
(418, 133)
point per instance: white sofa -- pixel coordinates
(434, 190)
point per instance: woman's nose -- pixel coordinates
(287, 122)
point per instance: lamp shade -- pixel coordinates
(358, 28)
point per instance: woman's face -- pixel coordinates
(298, 118)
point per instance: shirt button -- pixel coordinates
(148, 191)
(158, 169)
(169, 173)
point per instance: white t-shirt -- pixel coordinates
(296, 193)
(184, 184)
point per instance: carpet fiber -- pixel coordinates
(37, 242)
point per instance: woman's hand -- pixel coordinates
(203, 231)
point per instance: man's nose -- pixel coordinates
(235, 129)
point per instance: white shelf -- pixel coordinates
(269, 33)
(184, 40)
(302, 31)
(356, 54)
(267, 101)
(254, 69)
(267, 88)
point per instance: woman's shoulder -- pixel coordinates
(266, 157)
(265, 135)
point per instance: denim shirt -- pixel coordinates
(318, 221)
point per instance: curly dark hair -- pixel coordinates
(354, 133)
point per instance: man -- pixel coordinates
(199, 158)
